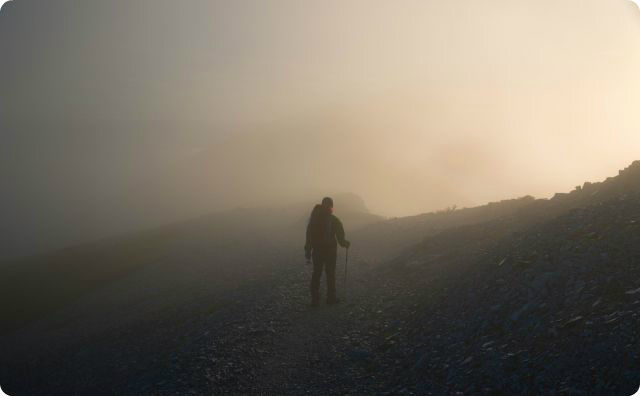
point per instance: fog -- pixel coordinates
(119, 115)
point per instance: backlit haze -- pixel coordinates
(120, 115)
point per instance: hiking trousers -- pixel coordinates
(324, 259)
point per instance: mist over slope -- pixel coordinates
(381, 241)
(231, 245)
(520, 296)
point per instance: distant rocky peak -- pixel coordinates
(626, 182)
(349, 202)
(631, 170)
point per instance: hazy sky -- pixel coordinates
(116, 115)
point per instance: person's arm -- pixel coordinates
(340, 233)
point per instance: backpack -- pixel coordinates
(320, 226)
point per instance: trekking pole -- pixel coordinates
(346, 264)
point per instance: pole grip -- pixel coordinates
(346, 265)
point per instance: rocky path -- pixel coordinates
(272, 342)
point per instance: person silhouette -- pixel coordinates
(324, 233)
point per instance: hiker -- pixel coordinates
(324, 233)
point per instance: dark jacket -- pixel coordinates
(324, 232)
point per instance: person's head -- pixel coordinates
(327, 203)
